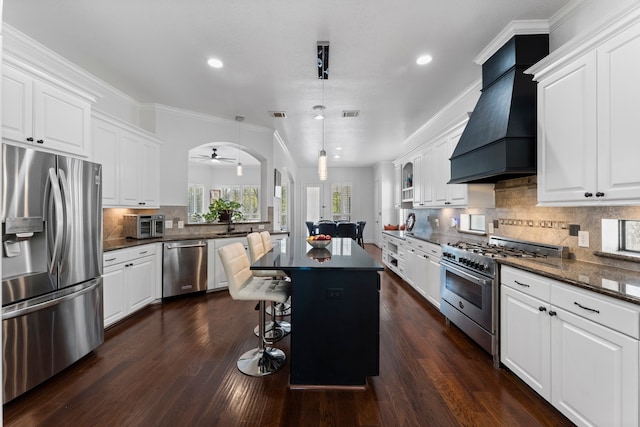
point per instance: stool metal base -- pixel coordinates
(258, 363)
(271, 334)
(282, 309)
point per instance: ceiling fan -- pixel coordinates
(214, 157)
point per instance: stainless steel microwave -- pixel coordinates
(143, 226)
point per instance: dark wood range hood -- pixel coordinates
(499, 141)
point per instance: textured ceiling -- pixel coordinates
(156, 51)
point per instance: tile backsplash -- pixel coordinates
(518, 217)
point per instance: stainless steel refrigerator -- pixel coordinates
(51, 265)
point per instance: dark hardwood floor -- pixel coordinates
(174, 364)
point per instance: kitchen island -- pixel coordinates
(335, 299)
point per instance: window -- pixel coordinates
(195, 196)
(248, 196)
(341, 202)
(629, 237)
(283, 208)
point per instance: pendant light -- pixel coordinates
(322, 160)
(239, 165)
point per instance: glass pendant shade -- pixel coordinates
(239, 169)
(322, 166)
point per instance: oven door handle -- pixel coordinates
(465, 274)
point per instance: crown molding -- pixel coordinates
(28, 51)
(514, 28)
(203, 117)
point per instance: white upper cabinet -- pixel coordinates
(418, 172)
(588, 124)
(38, 112)
(130, 159)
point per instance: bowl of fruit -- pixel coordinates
(319, 240)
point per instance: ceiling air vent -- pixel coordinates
(350, 113)
(278, 114)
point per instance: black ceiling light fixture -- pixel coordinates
(323, 60)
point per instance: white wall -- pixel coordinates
(183, 130)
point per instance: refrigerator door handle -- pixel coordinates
(57, 201)
(55, 301)
(66, 201)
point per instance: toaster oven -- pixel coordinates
(143, 226)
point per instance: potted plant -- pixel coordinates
(223, 210)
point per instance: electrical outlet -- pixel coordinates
(260, 226)
(168, 224)
(491, 228)
(583, 239)
(180, 224)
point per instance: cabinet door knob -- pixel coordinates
(599, 194)
(542, 308)
(552, 313)
(587, 194)
(141, 203)
(40, 141)
(30, 139)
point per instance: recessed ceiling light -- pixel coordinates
(337, 156)
(338, 148)
(424, 59)
(214, 63)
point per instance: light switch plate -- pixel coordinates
(583, 239)
(168, 224)
(180, 224)
(491, 230)
(260, 226)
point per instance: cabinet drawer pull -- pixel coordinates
(586, 308)
(143, 252)
(522, 284)
(110, 259)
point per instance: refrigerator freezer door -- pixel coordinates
(81, 256)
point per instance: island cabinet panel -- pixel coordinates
(337, 331)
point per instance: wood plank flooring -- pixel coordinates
(174, 364)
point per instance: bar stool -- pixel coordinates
(281, 309)
(263, 360)
(274, 329)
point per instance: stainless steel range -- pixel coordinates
(469, 284)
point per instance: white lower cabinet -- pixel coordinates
(577, 349)
(219, 278)
(422, 268)
(130, 281)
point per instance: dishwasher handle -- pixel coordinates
(184, 245)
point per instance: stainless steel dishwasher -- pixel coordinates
(184, 267)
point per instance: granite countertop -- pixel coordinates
(612, 281)
(114, 244)
(431, 238)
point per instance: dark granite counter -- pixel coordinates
(431, 238)
(114, 244)
(615, 282)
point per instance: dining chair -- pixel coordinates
(311, 227)
(329, 228)
(243, 286)
(359, 236)
(347, 229)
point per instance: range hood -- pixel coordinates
(499, 141)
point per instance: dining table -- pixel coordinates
(335, 311)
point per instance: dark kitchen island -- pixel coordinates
(335, 316)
